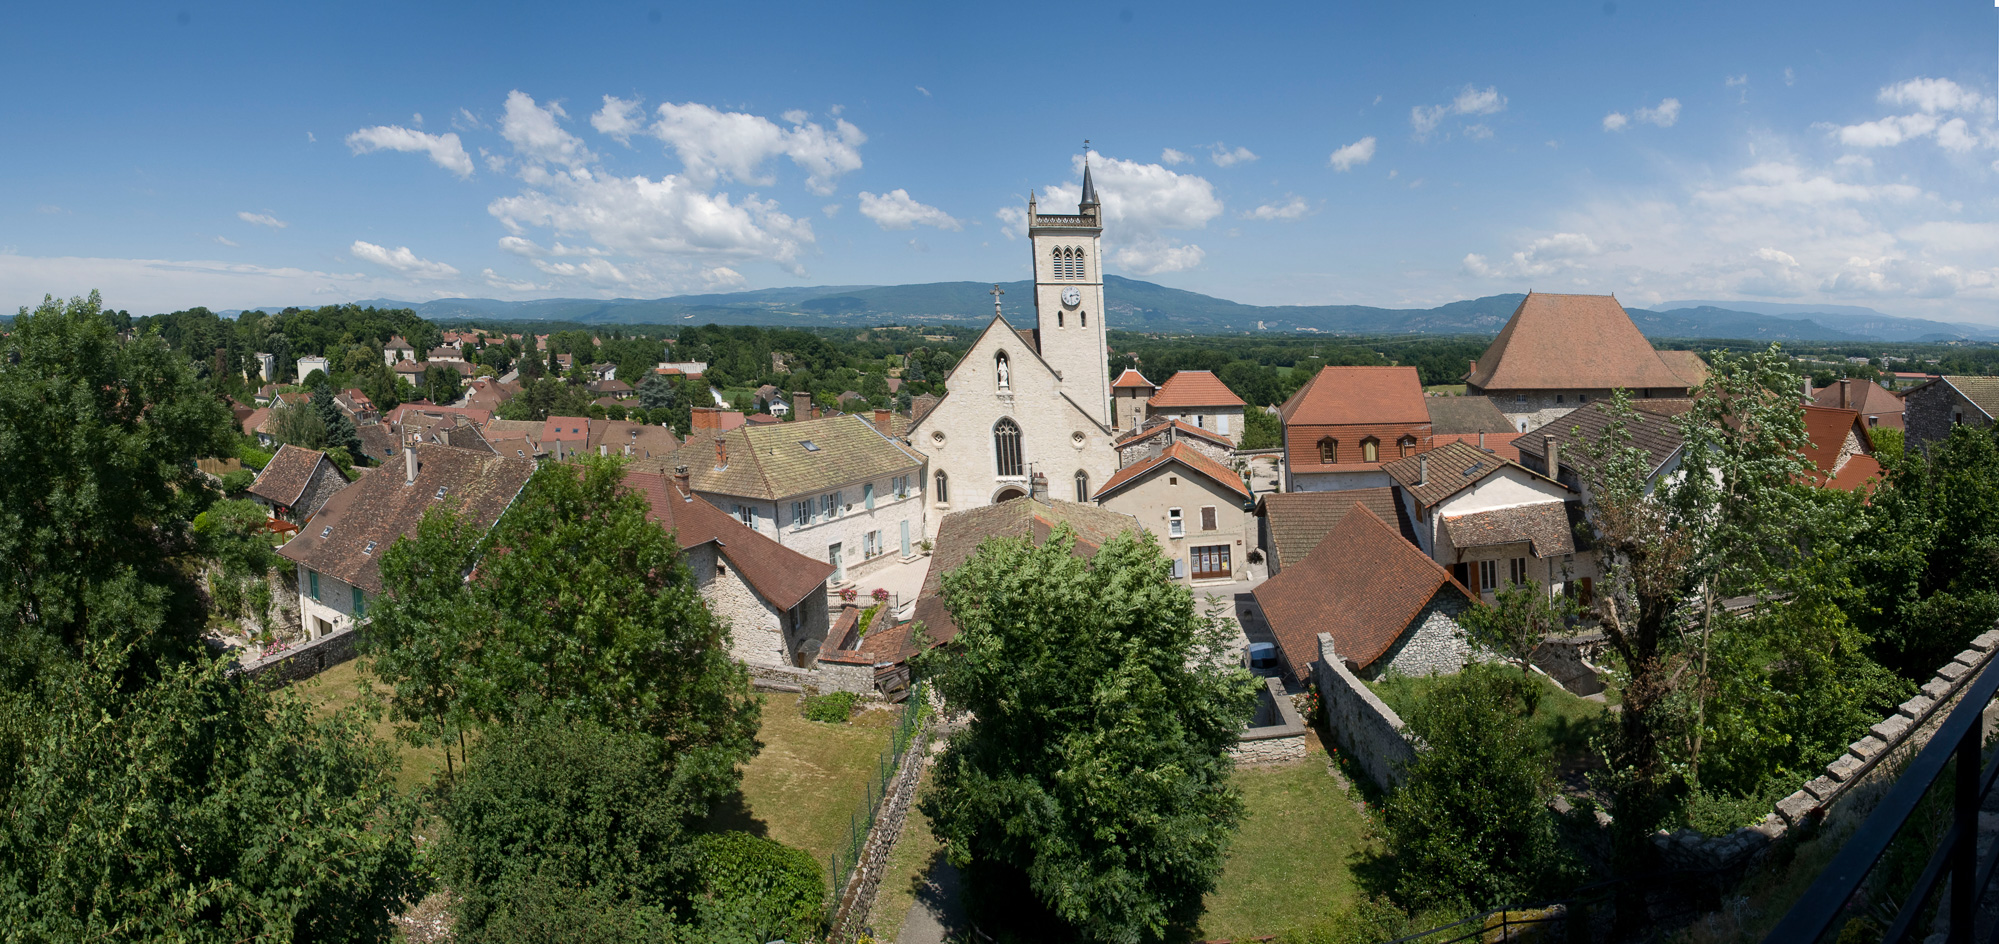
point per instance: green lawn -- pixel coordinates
(810, 778)
(340, 687)
(1566, 720)
(1291, 864)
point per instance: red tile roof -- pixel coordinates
(1298, 521)
(1363, 584)
(780, 575)
(1179, 428)
(285, 477)
(1131, 378)
(1193, 460)
(479, 417)
(1828, 429)
(1571, 342)
(566, 429)
(1879, 404)
(1688, 365)
(1347, 396)
(1191, 388)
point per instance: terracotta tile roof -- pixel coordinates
(1687, 365)
(255, 421)
(290, 470)
(1571, 342)
(1544, 527)
(379, 442)
(920, 407)
(1187, 457)
(1298, 521)
(1363, 584)
(761, 418)
(574, 429)
(646, 441)
(408, 367)
(773, 463)
(1471, 414)
(380, 508)
(1859, 473)
(1651, 426)
(1191, 388)
(1030, 335)
(479, 417)
(780, 575)
(1879, 404)
(960, 534)
(1828, 429)
(1156, 427)
(1131, 379)
(1499, 444)
(1453, 467)
(1347, 396)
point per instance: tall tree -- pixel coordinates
(1094, 774)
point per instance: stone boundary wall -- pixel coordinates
(857, 899)
(1369, 730)
(1851, 785)
(827, 678)
(305, 661)
(1276, 733)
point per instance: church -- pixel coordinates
(1031, 408)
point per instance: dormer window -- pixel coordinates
(1407, 444)
(1370, 450)
(1329, 451)
(809, 445)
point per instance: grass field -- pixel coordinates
(340, 687)
(806, 783)
(1449, 390)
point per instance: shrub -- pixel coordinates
(253, 457)
(832, 708)
(236, 483)
(757, 889)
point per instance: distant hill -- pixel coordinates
(1149, 306)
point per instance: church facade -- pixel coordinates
(1031, 408)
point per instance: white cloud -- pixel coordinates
(402, 260)
(1470, 101)
(620, 118)
(1155, 256)
(714, 144)
(1141, 204)
(1664, 114)
(464, 120)
(657, 219)
(1933, 100)
(1888, 132)
(1478, 132)
(600, 272)
(1013, 221)
(444, 149)
(1291, 209)
(722, 277)
(173, 284)
(1780, 184)
(896, 210)
(1224, 156)
(261, 219)
(925, 91)
(226, 241)
(831, 210)
(1174, 158)
(502, 283)
(1954, 135)
(1855, 160)
(537, 134)
(310, 138)
(1353, 155)
(1931, 95)
(1615, 121)
(1735, 80)
(1790, 78)
(1548, 255)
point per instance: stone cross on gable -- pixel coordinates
(996, 293)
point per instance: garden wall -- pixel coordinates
(1276, 733)
(303, 661)
(1365, 727)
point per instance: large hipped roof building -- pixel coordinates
(1558, 352)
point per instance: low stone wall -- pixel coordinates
(857, 900)
(305, 661)
(1365, 727)
(828, 677)
(1276, 733)
(1851, 785)
(1565, 659)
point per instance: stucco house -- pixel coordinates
(1199, 509)
(296, 483)
(1129, 394)
(1345, 422)
(1198, 398)
(339, 555)
(773, 598)
(1385, 604)
(1930, 411)
(1555, 449)
(397, 350)
(1559, 352)
(1494, 523)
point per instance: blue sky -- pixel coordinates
(1402, 155)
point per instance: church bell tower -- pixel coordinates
(1069, 297)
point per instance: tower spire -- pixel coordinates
(1089, 189)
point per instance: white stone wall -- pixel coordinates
(1435, 645)
(759, 633)
(774, 520)
(335, 605)
(1226, 421)
(1365, 727)
(1057, 438)
(1532, 409)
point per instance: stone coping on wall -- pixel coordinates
(1281, 739)
(303, 661)
(1867, 766)
(1370, 731)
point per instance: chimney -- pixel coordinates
(1037, 487)
(704, 418)
(801, 404)
(1553, 450)
(1422, 469)
(684, 482)
(1808, 387)
(1844, 387)
(1481, 439)
(882, 421)
(409, 463)
(721, 453)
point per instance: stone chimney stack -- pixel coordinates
(409, 462)
(721, 453)
(1481, 439)
(1845, 394)
(883, 421)
(683, 481)
(1554, 451)
(801, 404)
(1808, 387)
(1037, 485)
(1422, 469)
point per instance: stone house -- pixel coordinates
(1877, 405)
(1494, 523)
(773, 598)
(1559, 352)
(1841, 450)
(339, 556)
(296, 483)
(834, 489)
(1385, 604)
(1930, 411)
(1292, 524)
(1155, 436)
(1345, 422)
(1199, 509)
(1198, 397)
(410, 371)
(1034, 518)
(1129, 395)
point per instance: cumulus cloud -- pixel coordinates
(896, 210)
(1735, 80)
(657, 218)
(1153, 257)
(1013, 221)
(1175, 158)
(1353, 155)
(1931, 95)
(1664, 114)
(1547, 255)
(504, 284)
(1469, 101)
(1142, 205)
(1225, 156)
(1615, 121)
(402, 260)
(536, 132)
(714, 144)
(444, 149)
(620, 118)
(1933, 101)
(1291, 209)
(261, 219)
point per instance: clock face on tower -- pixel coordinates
(1071, 297)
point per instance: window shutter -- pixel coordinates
(868, 495)
(1222, 423)
(1179, 567)
(1207, 517)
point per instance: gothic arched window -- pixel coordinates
(1076, 267)
(1057, 266)
(1370, 450)
(1006, 447)
(942, 488)
(1082, 486)
(1329, 450)
(1002, 371)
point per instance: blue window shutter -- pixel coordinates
(868, 495)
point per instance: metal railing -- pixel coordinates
(862, 821)
(1843, 891)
